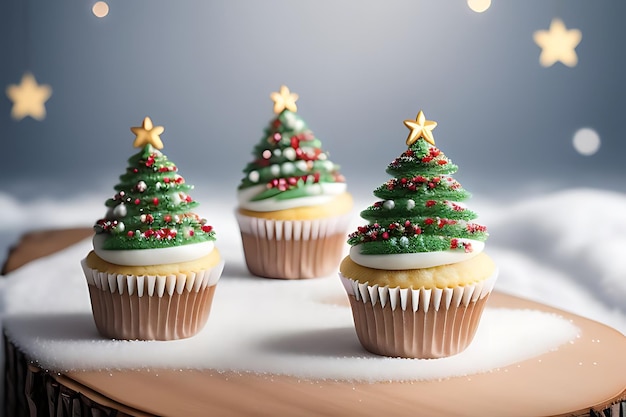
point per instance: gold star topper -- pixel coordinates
(420, 128)
(558, 44)
(148, 134)
(284, 99)
(28, 98)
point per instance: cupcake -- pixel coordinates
(293, 204)
(416, 275)
(154, 265)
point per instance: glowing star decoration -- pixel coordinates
(420, 128)
(558, 44)
(148, 134)
(284, 99)
(28, 98)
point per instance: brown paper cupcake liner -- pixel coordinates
(422, 323)
(293, 249)
(151, 307)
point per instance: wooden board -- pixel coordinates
(581, 378)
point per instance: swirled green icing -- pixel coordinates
(152, 207)
(288, 160)
(418, 210)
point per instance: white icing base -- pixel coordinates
(415, 260)
(159, 256)
(321, 193)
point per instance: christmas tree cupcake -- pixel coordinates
(416, 276)
(293, 204)
(154, 267)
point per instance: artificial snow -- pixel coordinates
(304, 328)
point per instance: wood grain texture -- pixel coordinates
(559, 383)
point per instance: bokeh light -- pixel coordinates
(479, 6)
(100, 9)
(586, 141)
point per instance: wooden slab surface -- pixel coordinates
(586, 377)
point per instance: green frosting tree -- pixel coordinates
(152, 207)
(289, 158)
(418, 210)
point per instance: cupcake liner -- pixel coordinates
(422, 323)
(151, 307)
(293, 249)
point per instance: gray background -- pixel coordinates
(205, 69)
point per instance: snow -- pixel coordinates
(562, 249)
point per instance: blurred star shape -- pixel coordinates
(558, 44)
(28, 98)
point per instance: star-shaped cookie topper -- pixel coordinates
(148, 134)
(28, 98)
(284, 99)
(420, 128)
(558, 44)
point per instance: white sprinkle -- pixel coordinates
(288, 168)
(253, 176)
(290, 154)
(389, 204)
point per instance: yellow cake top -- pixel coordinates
(473, 270)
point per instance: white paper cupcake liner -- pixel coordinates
(408, 298)
(292, 229)
(293, 249)
(152, 285)
(151, 307)
(423, 323)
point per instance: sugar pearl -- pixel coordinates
(290, 154)
(120, 210)
(288, 168)
(302, 165)
(410, 204)
(389, 204)
(254, 176)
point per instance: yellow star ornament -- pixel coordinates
(420, 128)
(558, 44)
(284, 99)
(148, 134)
(28, 98)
